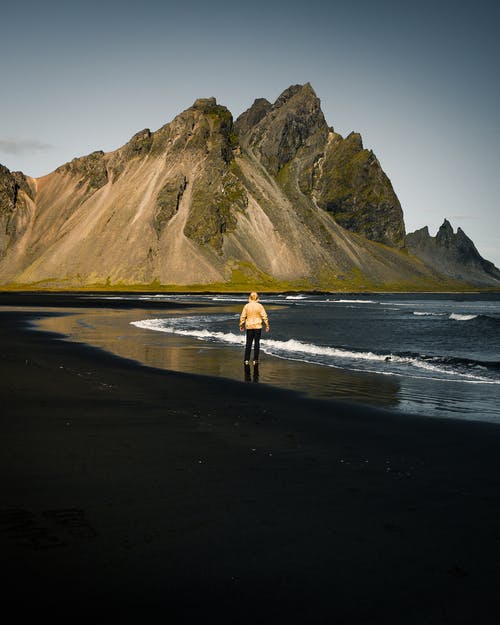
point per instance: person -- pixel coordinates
(251, 318)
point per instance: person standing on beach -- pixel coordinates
(252, 316)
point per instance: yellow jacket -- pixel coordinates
(252, 316)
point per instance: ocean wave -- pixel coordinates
(460, 368)
(352, 301)
(298, 347)
(466, 362)
(162, 325)
(459, 317)
(221, 298)
(475, 317)
(104, 297)
(398, 364)
(486, 320)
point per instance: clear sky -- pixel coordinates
(418, 80)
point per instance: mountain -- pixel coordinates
(275, 200)
(454, 253)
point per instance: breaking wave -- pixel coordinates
(458, 317)
(414, 365)
(352, 301)
(483, 321)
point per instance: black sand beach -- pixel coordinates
(135, 492)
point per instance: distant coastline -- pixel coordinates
(214, 289)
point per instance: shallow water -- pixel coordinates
(434, 354)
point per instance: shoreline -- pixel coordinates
(373, 386)
(175, 290)
(170, 352)
(148, 491)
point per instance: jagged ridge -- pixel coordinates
(277, 199)
(454, 254)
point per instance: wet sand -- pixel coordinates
(113, 331)
(135, 491)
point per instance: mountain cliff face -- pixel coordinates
(16, 208)
(292, 140)
(454, 253)
(275, 200)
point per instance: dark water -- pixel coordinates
(432, 354)
(435, 354)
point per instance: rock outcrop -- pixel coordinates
(276, 200)
(348, 182)
(453, 254)
(337, 174)
(252, 116)
(90, 170)
(16, 206)
(294, 123)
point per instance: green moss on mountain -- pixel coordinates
(278, 201)
(139, 145)
(168, 200)
(213, 209)
(294, 122)
(294, 143)
(14, 210)
(252, 116)
(90, 170)
(349, 183)
(454, 253)
(8, 191)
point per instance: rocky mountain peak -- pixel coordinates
(277, 198)
(354, 140)
(141, 137)
(454, 255)
(252, 116)
(204, 104)
(446, 229)
(294, 120)
(205, 127)
(338, 174)
(304, 91)
(139, 144)
(90, 170)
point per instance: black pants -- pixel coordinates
(253, 336)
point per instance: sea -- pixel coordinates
(437, 355)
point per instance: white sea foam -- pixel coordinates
(293, 349)
(290, 346)
(298, 347)
(295, 297)
(457, 317)
(428, 314)
(105, 297)
(352, 301)
(162, 325)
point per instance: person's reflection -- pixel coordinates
(248, 373)
(256, 373)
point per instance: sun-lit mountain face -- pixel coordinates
(275, 200)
